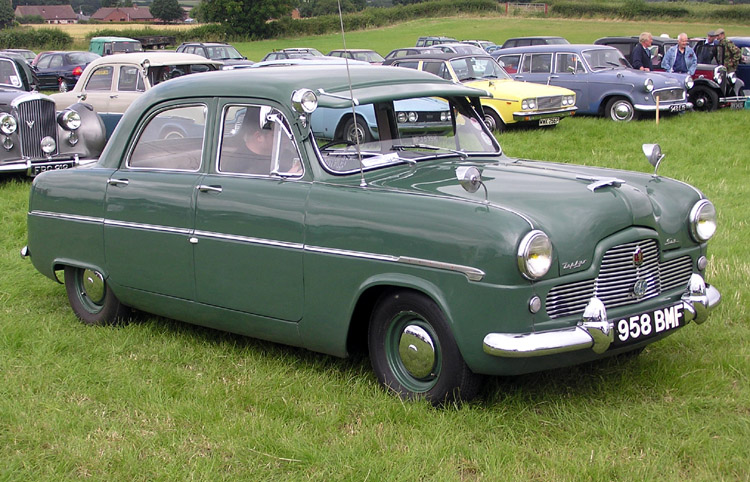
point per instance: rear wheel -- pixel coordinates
(413, 351)
(620, 109)
(91, 298)
(356, 131)
(703, 98)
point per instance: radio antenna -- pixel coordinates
(362, 182)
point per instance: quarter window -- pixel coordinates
(172, 140)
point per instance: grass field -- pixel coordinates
(158, 399)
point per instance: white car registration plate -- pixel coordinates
(635, 328)
(549, 121)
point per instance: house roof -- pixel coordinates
(132, 13)
(47, 12)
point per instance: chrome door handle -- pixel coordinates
(205, 188)
(117, 182)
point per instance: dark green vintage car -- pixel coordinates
(214, 204)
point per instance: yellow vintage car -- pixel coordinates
(512, 102)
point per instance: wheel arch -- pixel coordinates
(59, 264)
(611, 95)
(372, 290)
(339, 133)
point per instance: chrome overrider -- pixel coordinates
(594, 331)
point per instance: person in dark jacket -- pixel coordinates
(640, 57)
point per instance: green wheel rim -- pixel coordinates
(413, 352)
(91, 289)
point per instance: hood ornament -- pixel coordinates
(30, 123)
(654, 155)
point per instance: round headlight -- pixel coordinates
(732, 76)
(412, 117)
(304, 101)
(402, 117)
(703, 220)
(689, 82)
(535, 255)
(48, 145)
(8, 124)
(648, 84)
(445, 116)
(70, 120)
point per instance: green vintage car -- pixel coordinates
(213, 203)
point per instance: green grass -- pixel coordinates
(159, 399)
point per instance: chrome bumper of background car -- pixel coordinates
(664, 107)
(594, 331)
(531, 116)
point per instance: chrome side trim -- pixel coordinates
(147, 227)
(249, 240)
(68, 217)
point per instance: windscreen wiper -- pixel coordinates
(401, 147)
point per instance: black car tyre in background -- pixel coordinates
(359, 130)
(493, 121)
(703, 98)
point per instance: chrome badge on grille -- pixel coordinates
(639, 288)
(637, 257)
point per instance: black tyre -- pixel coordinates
(91, 298)
(413, 352)
(353, 131)
(493, 121)
(703, 98)
(620, 109)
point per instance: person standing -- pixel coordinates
(729, 54)
(707, 48)
(680, 58)
(640, 57)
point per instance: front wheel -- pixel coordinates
(91, 298)
(493, 121)
(620, 109)
(413, 352)
(703, 98)
(356, 132)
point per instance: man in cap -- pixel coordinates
(707, 49)
(729, 54)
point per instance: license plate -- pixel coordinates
(677, 108)
(737, 105)
(549, 121)
(50, 167)
(635, 328)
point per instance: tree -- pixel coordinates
(247, 17)
(7, 14)
(167, 10)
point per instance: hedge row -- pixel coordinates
(41, 39)
(639, 9)
(205, 33)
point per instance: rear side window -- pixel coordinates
(171, 140)
(101, 79)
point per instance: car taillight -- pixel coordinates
(77, 70)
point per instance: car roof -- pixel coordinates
(656, 40)
(155, 58)
(443, 56)
(550, 48)
(114, 39)
(534, 37)
(352, 50)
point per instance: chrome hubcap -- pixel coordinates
(417, 351)
(622, 111)
(93, 285)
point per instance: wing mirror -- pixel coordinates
(470, 179)
(653, 154)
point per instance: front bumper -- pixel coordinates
(594, 331)
(34, 167)
(525, 116)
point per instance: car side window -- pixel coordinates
(101, 79)
(8, 73)
(56, 61)
(541, 63)
(410, 65)
(568, 64)
(437, 68)
(171, 140)
(257, 140)
(745, 55)
(130, 79)
(510, 62)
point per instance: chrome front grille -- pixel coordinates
(617, 279)
(553, 102)
(669, 95)
(36, 120)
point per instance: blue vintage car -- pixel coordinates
(743, 70)
(601, 77)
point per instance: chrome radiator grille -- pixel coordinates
(617, 277)
(553, 102)
(669, 95)
(36, 120)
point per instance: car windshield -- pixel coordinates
(223, 52)
(610, 58)
(424, 128)
(367, 56)
(477, 68)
